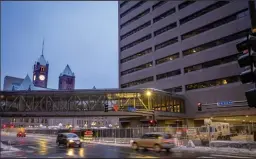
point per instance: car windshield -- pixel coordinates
(72, 136)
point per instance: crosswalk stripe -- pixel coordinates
(230, 156)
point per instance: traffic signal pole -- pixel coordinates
(253, 28)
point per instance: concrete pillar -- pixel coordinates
(189, 122)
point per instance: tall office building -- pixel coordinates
(185, 47)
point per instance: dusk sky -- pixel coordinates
(81, 34)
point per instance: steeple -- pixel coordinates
(67, 79)
(67, 71)
(41, 59)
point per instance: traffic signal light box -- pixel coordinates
(199, 106)
(248, 61)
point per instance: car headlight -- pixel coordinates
(71, 140)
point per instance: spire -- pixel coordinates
(67, 71)
(43, 48)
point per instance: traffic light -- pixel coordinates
(106, 107)
(152, 122)
(247, 60)
(250, 96)
(199, 107)
(252, 15)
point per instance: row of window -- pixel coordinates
(190, 51)
(135, 18)
(173, 10)
(185, 4)
(182, 21)
(138, 82)
(168, 74)
(208, 64)
(145, 38)
(174, 89)
(135, 30)
(123, 4)
(138, 68)
(137, 5)
(150, 64)
(167, 58)
(212, 83)
(166, 43)
(203, 11)
(164, 15)
(165, 28)
(216, 24)
(212, 63)
(158, 4)
(200, 85)
(147, 24)
(217, 42)
(139, 54)
(239, 14)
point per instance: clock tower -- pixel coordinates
(40, 73)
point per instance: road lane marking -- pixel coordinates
(33, 147)
(230, 156)
(205, 157)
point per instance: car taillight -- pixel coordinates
(167, 141)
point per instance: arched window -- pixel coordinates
(42, 69)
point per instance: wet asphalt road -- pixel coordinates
(32, 147)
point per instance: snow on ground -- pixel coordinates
(198, 149)
(8, 149)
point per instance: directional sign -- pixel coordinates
(223, 103)
(115, 107)
(131, 109)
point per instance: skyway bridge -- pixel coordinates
(90, 102)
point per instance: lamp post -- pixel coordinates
(149, 93)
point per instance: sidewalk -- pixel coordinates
(8, 149)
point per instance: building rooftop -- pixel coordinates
(67, 72)
(20, 84)
(42, 60)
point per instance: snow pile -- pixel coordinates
(233, 144)
(191, 144)
(216, 150)
(8, 148)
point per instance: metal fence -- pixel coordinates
(238, 132)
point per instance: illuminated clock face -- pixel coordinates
(42, 77)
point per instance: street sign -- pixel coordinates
(223, 103)
(131, 109)
(115, 107)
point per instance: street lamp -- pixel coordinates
(148, 93)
